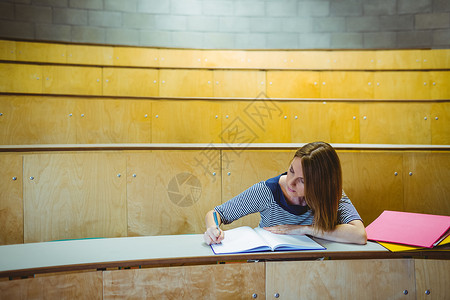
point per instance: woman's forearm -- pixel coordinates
(353, 232)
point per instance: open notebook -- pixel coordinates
(246, 240)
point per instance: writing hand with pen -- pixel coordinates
(213, 233)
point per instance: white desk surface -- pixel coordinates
(126, 249)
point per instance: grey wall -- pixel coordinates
(237, 24)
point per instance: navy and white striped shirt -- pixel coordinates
(267, 198)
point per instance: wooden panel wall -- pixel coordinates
(78, 195)
(379, 279)
(84, 285)
(27, 119)
(84, 94)
(225, 281)
(74, 196)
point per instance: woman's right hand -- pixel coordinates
(213, 235)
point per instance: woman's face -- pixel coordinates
(295, 183)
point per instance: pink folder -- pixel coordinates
(413, 229)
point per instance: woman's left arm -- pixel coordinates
(352, 232)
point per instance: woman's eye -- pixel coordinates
(291, 170)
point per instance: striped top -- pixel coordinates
(267, 198)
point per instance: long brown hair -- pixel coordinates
(323, 182)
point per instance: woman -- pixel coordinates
(308, 199)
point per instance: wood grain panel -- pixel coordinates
(36, 120)
(436, 59)
(333, 122)
(70, 196)
(343, 84)
(306, 60)
(11, 201)
(316, 60)
(257, 121)
(169, 192)
(86, 285)
(432, 276)
(130, 82)
(245, 84)
(373, 182)
(137, 57)
(293, 84)
(16, 78)
(185, 83)
(353, 60)
(426, 182)
(90, 55)
(224, 58)
(242, 169)
(440, 123)
(405, 85)
(186, 121)
(7, 50)
(225, 281)
(41, 52)
(178, 58)
(399, 59)
(395, 123)
(72, 80)
(101, 121)
(363, 279)
(440, 84)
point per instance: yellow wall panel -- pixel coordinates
(169, 192)
(402, 85)
(7, 50)
(343, 84)
(11, 201)
(177, 58)
(353, 60)
(395, 123)
(245, 84)
(69, 80)
(185, 83)
(242, 169)
(373, 181)
(41, 52)
(107, 121)
(399, 59)
(257, 121)
(371, 278)
(333, 122)
(20, 78)
(216, 281)
(316, 60)
(440, 84)
(90, 55)
(83, 285)
(436, 59)
(431, 275)
(426, 182)
(36, 120)
(186, 121)
(138, 57)
(74, 196)
(130, 82)
(224, 58)
(293, 84)
(440, 121)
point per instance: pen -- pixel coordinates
(216, 221)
